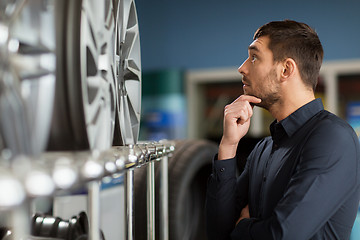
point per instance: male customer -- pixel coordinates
(303, 181)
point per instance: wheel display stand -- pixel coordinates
(85, 169)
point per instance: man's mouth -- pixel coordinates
(245, 81)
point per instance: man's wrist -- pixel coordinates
(227, 151)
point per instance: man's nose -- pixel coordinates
(242, 69)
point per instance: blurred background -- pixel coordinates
(191, 51)
(192, 34)
(198, 45)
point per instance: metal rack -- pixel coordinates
(52, 173)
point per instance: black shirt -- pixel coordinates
(300, 183)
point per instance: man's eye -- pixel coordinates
(253, 58)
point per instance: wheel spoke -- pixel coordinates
(134, 113)
(133, 92)
(130, 37)
(93, 91)
(132, 71)
(95, 11)
(132, 18)
(125, 121)
(98, 98)
(33, 66)
(91, 47)
(124, 18)
(134, 120)
(99, 126)
(109, 15)
(107, 57)
(134, 51)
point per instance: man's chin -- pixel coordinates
(256, 104)
(262, 104)
(251, 94)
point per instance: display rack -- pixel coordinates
(25, 179)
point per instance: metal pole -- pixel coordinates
(94, 210)
(150, 201)
(21, 221)
(164, 202)
(129, 204)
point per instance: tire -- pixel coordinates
(85, 92)
(98, 72)
(189, 168)
(140, 195)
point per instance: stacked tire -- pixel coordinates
(189, 169)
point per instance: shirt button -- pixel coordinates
(222, 169)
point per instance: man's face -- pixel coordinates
(260, 73)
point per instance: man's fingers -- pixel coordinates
(243, 117)
(248, 98)
(238, 112)
(249, 109)
(241, 108)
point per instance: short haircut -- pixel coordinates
(296, 40)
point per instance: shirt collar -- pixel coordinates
(294, 121)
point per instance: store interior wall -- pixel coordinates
(193, 34)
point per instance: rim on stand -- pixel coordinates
(128, 74)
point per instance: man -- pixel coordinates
(302, 182)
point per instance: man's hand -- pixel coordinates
(244, 214)
(236, 124)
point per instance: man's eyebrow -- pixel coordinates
(254, 48)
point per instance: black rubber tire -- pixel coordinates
(68, 131)
(189, 169)
(140, 202)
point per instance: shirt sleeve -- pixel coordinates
(223, 200)
(325, 177)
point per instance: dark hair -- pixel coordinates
(291, 39)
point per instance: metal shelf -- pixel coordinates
(52, 173)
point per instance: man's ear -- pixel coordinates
(288, 69)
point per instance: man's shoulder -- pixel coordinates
(330, 122)
(329, 127)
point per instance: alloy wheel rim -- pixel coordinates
(128, 71)
(98, 75)
(29, 73)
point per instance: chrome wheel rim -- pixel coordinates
(128, 72)
(29, 74)
(97, 62)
